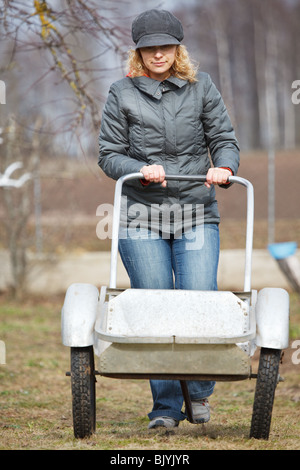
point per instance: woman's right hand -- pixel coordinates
(154, 174)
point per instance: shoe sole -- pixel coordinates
(161, 424)
(201, 420)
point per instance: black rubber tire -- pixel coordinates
(83, 391)
(267, 379)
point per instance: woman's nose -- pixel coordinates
(158, 52)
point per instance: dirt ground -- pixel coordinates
(84, 186)
(72, 191)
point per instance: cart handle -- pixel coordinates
(200, 178)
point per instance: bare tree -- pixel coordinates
(63, 42)
(219, 20)
(58, 32)
(17, 204)
(250, 48)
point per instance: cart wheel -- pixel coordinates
(83, 391)
(267, 379)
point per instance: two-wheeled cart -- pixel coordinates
(178, 334)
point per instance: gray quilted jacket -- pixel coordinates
(173, 123)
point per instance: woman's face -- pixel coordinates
(158, 60)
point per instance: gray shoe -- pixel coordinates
(201, 410)
(163, 421)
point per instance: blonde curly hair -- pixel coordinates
(182, 68)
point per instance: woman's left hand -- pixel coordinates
(217, 176)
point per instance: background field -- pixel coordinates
(72, 191)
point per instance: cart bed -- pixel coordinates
(179, 332)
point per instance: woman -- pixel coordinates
(162, 119)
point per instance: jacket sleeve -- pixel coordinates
(219, 133)
(113, 139)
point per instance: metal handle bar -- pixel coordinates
(200, 178)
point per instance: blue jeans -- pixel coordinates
(189, 262)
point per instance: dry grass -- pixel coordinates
(35, 396)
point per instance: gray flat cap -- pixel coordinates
(156, 28)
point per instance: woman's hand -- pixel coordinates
(217, 176)
(154, 174)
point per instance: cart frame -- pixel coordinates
(84, 315)
(201, 179)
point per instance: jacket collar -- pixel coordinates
(153, 87)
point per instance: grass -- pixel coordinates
(35, 398)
